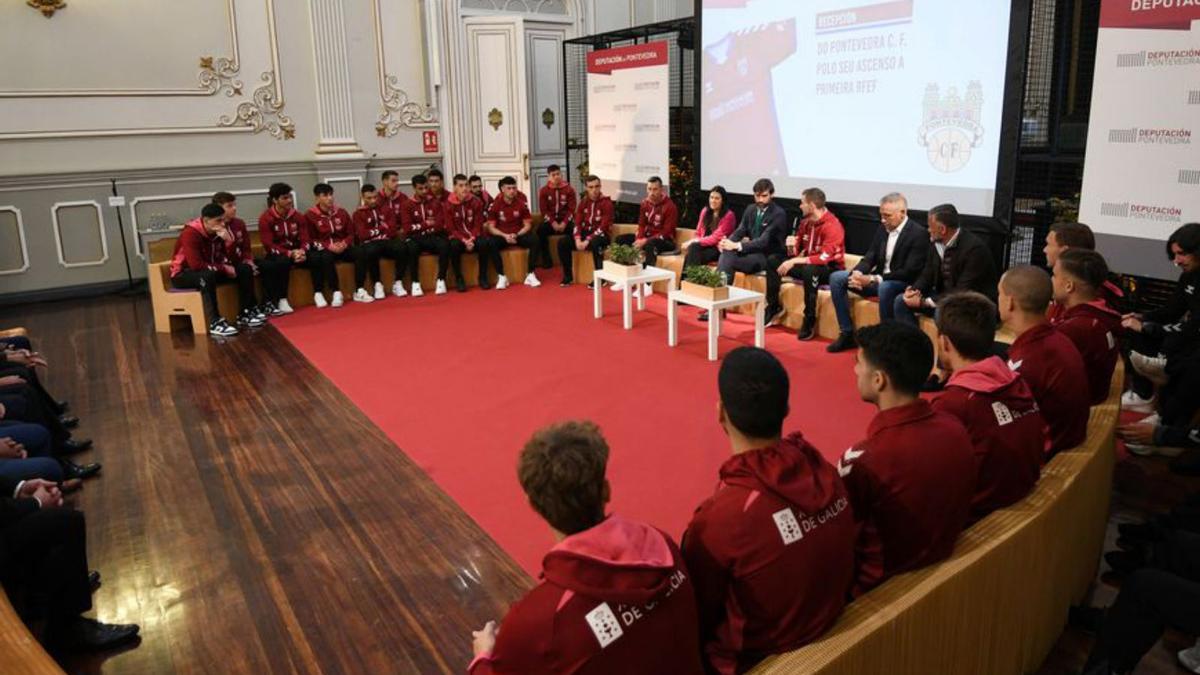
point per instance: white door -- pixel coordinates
(544, 73)
(497, 117)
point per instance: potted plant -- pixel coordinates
(706, 282)
(624, 261)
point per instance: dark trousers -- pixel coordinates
(30, 375)
(732, 262)
(545, 231)
(323, 267)
(17, 342)
(45, 569)
(700, 255)
(23, 404)
(392, 249)
(204, 281)
(812, 277)
(457, 248)
(566, 245)
(275, 270)
(488, 248)
(1179, 398)
(245, 286)
(654, 247)
(436, 244)
(527, 241)
(34, 437)
(1150, 600)
(908, 315)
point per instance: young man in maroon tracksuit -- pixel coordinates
(426, 233)
(657, 219)
(395, 201)
(1008, 433)
(330, 238)
(509, 223)
(911, 480)
(437, 185)
(1086, 319)
(613, 596)
(375, 233)
(1047, 359)
(771, 553)
(556, 203)
(280, 228)
(593, 227)
(476, 184)
(198, 262)
(238, 253)
(465, 219)
(820, 251)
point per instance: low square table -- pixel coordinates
(648, 275)
(737, 296)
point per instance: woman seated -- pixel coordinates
(716, 223)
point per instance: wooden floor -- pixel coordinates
(252, 520)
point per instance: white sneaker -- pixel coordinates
(283, 307)
(617, 287)
(416, 290)
(1132, 402)
(379, 294)
(647, 290)
(338, 300)
(1153, 368)
(532, 280)
(1190, 658)
(501, 282)
(361, 295)
(221, 328)
(319, 301)
(441, 287)
(398, 289)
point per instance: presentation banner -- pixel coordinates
(628, 115)
(1141, 175)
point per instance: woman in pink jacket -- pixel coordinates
(716, 223)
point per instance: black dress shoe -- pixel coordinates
(844, 341)
(63, 406)
(94, 580)
(73, 470)
(807, 329)
(484, 285)
(84, 634)
(72, 446)
(462, 286)
(68, 421)
(567, 282)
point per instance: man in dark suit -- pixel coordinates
(957, 261)
(895, 260)
(759, 242)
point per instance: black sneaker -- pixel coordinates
(567, 282)
(221, 328)
(774, 315)
(844, 342)
(807, 329)
(702, 316)
(249, 319)
(264, 310)
(591, 285)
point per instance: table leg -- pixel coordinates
(627, 306)
(714, 331)
(672, 323)
(597, 302)
(641, 297)
(759, 327)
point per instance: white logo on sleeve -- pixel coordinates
(1111, 341)
(844, 466)
(1015, 365)
(789, 527)
(1003, 414)
(604, 624)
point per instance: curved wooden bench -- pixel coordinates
(1000, 602)
(20, 653)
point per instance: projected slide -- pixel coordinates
(858, 99)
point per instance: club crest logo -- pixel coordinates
(952, 126)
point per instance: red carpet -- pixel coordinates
(460, 381)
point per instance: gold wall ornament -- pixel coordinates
(263, 113)
(400, 112)
(548, 117)
(495, 118)
(218, 74)
(47, 7)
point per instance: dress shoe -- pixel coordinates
(71, 485)
(807, 329)
(844, 342)
(84, 634)
(460, 285)
(73, 470)
(63, 406)
(69, 421)
(72, 446)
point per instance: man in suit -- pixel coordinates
(957, 261)
(895, 260)
(760, 240)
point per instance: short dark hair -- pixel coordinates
(590, 178)
(654, 179)
(367, 187)
(902, 351)
(1187, 237)
(388, 174)
(561, 469)
(322, 189)
(763, 185)
(459, 177)
(552, 168)
(945, 214)
(278, 190)
(474, 178)
(968, 320)
(212, 210)
(1085, 265)
(815, 196)
(223, 198)
(1030, 287)
(1074, 235)
(419, 179)
(435, 172)
(507, 180)
(754, 391)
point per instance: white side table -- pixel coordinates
(647, 276)
(737, 296)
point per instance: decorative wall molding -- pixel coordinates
(47, 7)
(331, 58)
(218, 74)
(58, 240)
(551, 7)
(21, 238)
(264, 112)
(398, 111)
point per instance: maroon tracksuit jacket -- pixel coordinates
(593, 217)
(1094, 329)
(465, 218)
(197, 250)
(771, 554)
(612, 599)
(508, 217)
(657, 220)
(373, 224)
(557, 204)
(281, 234)
(326, 228)
(397, 204)
(237, 249)
(425, 216)
(822, 241)
(1054, 370)
(1008, 434)
(910, 483)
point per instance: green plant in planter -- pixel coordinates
(703, 275)
(624, 254)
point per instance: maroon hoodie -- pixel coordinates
(197, 250)
(771, 554)
(557, 204)
(281, 234)
(612, 599)
(425, 216)
(910, 483)
(237, 249)
(1094, 329)
(1054, 370)
(1007, 431)
(464, 217)
(326, 228)
(593, 217)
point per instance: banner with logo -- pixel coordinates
(628, 113)
(1141, 176)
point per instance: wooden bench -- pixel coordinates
(20, 652)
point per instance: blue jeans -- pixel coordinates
(839, 288)
(906, 314)
(34, 437)
(32, 467)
